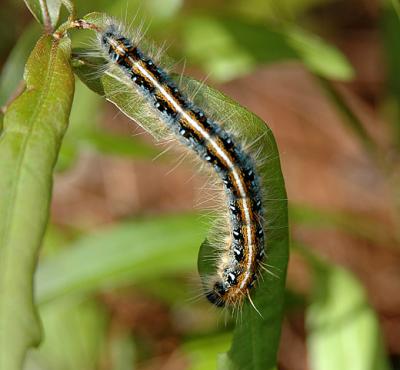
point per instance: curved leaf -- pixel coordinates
(256, 338)
(33, 128)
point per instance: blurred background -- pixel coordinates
(115, 278)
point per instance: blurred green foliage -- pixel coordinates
(126, 254)
(340, 317)
(238, 46)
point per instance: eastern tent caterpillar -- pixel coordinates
(242, 252)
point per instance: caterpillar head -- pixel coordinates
(216, 294)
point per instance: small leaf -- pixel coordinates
(343, 330)
(70, 6)
(46, 12)
(320, 57)
(34, 125)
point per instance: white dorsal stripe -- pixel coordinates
(141, 68)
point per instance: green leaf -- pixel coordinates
(201, 353)
(123, 95)
(70, 6)
(239, 47)
(33, 128)
(391, 38)
(396, 7)
(46, 12)
(123, 254)
(320, 57)
(256, 338)
(343, 330)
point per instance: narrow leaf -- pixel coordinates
(33, 128)
(320, 57)
(343, 330)
(123, 254)
(46, 12)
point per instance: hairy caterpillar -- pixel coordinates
(241, 255)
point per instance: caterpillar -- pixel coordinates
(240, 258)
